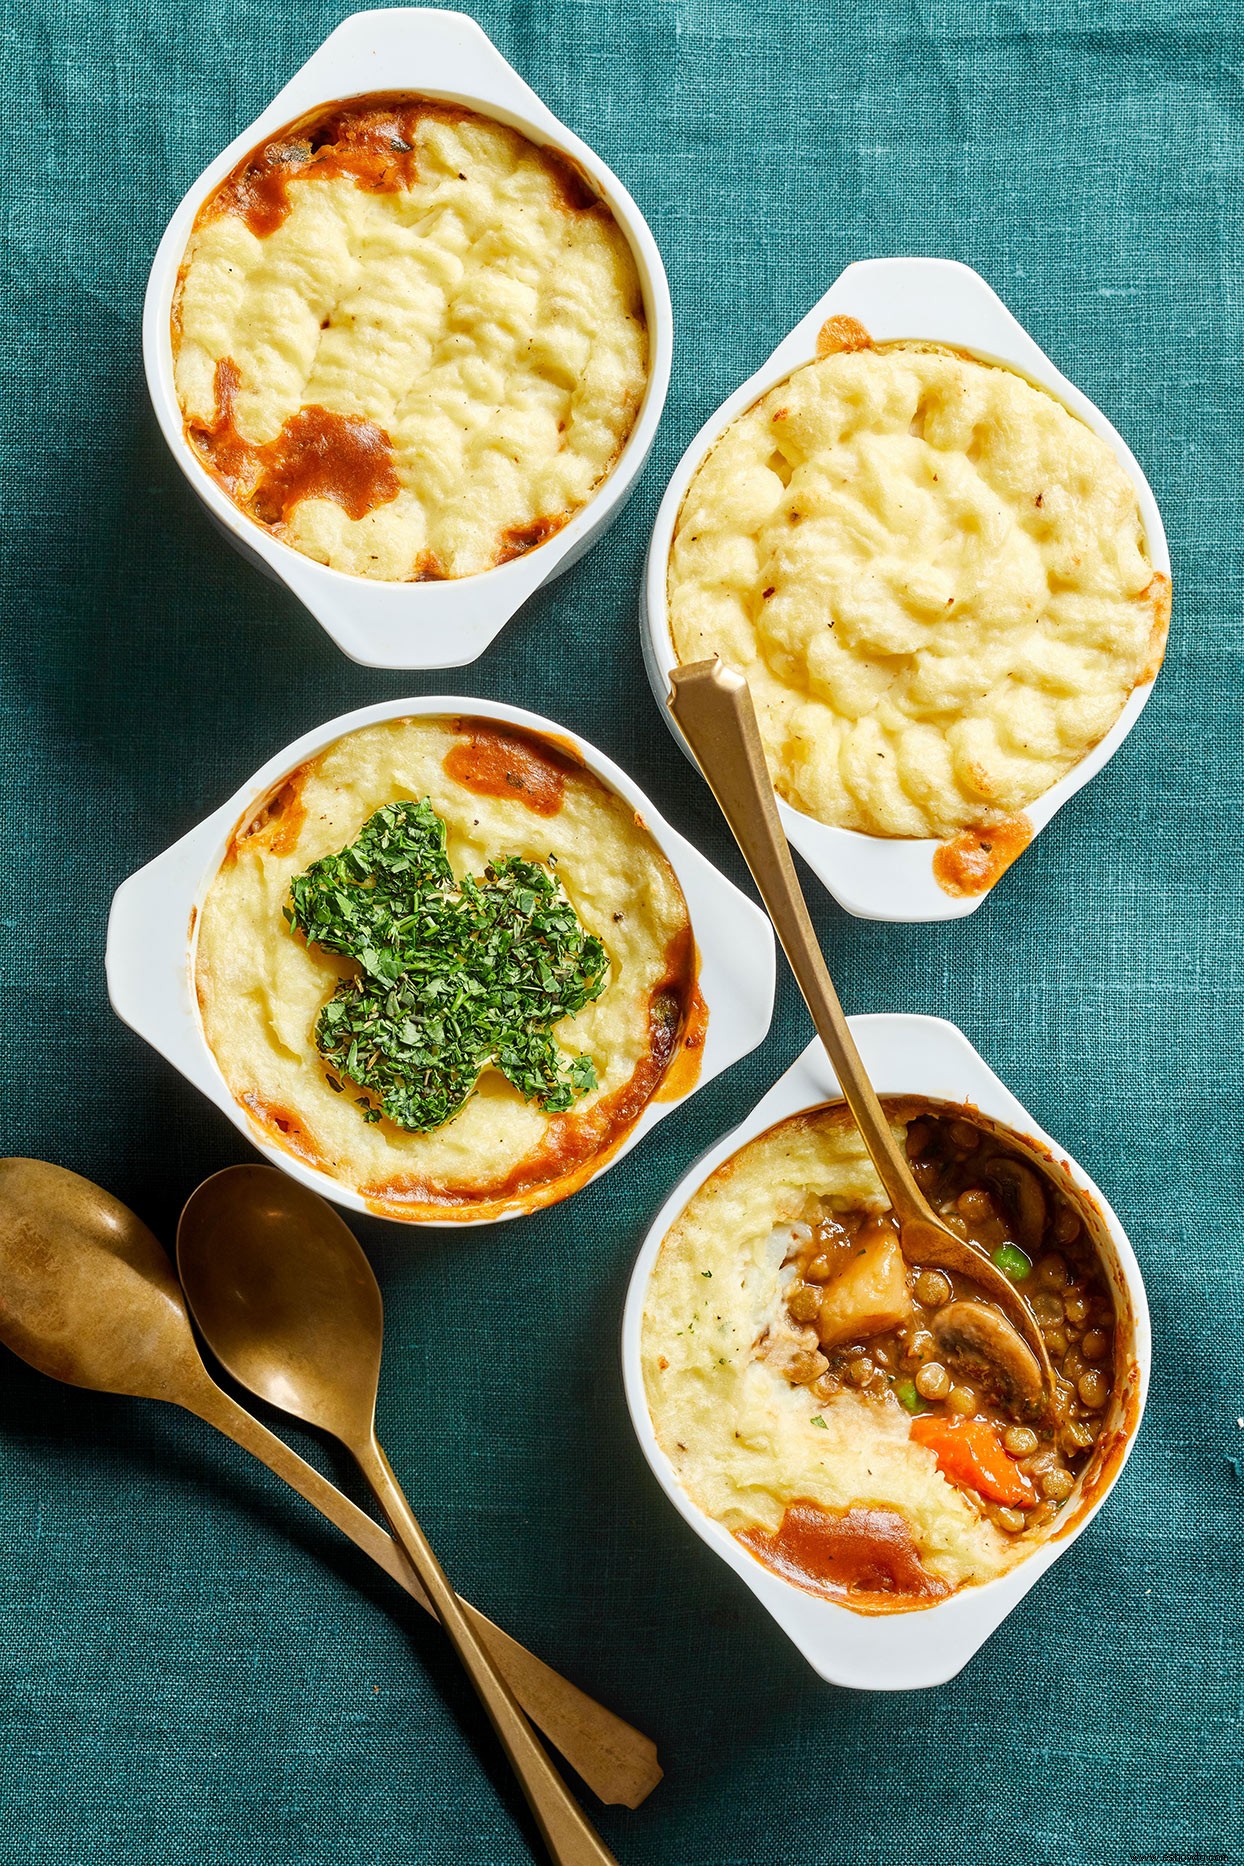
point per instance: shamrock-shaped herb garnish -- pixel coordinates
(453, 976)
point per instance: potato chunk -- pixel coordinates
(869, 1295)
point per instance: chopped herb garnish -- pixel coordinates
(817, 1420)
(454, 976)
(706, 1273)
(908, 1397)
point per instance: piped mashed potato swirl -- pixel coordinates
(934, 576)
(407, 340)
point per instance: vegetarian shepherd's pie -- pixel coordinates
(408, 341)
(445, 964)
(935, 578)
(865, 1427)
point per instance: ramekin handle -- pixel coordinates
(454, 55)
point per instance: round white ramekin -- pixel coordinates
(444, 55)
(933, 301)
(922, 1056)
(152, 931)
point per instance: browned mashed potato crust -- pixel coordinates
(408, 341)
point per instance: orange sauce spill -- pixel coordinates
(505, 761)
(278, 821)
(316, 455)
(863, 1556)
(284, 1127)
(231, 458)
(575, 1145)
(370, 140)
(839, 334)
(322, 455)
(684, 1071)
(517, 540)
(972, 861)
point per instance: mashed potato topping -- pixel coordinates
(406, 340)
(934, 577)
(500, 792)
(778, 1456)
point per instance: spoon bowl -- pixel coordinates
(284, 1296)
(282, 1291)
(87, 1294)
(88, 1297)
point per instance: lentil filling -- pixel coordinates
(936, 1343)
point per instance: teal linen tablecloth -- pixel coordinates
(192, 1671)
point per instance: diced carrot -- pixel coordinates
(970, 1452)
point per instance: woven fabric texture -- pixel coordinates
(193, 1672)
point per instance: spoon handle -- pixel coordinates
(713, 707)
(618, 1762)
(568, 1835)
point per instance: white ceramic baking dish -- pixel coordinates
(935, 301)
(922, 1056)
(154, 918)
(407, 625)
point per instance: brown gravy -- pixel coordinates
(684, 1070)
(517, 540)
(371, 140)
(279, 819)
(865, 1553)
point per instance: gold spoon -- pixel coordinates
(287, 1302)
(713, 706)
(88, 1296)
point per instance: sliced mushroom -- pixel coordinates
(1023, 1197)
(983, 1345)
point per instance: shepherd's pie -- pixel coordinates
(408, 341)
(447, 965)
(934, 576)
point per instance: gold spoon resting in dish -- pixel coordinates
(713, 706)
(88, 1296)
(286, 1300)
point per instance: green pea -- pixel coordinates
(906, 1395)
(1011, 1260)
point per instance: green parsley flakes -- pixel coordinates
(454, 977)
